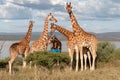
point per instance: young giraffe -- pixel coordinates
(55, 43)
(41, 43)
(84, 39)
(21, 48)
(70, 41)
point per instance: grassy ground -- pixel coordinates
(104, 71)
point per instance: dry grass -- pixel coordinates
(104, 71)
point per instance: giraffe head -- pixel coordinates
(51, 17)
(50, 38)
(52, 28)
(31, 23)
(68, 7)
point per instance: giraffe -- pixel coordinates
(20, 48)
(84, 39)
(41, 43)
(70, 40)
(56, 43)
(86, 54)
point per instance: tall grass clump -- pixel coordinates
(105, 51)
(47, 59)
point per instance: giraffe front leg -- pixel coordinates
(81, 57)
(85, 59)
(25, 55)
(94, 55)
(77, 57)
(71, 57)
(77, 61)
(24, 63)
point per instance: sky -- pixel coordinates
(98, 16)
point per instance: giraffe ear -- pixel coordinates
(70, 4)
(30, 21)
(50, 13)
(66, 3)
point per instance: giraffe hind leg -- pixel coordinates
(94, 55)
(14, 54)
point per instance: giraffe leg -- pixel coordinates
(93, 63)
(94, 55)
(24, 63)
(25, 55)
(77, 57)
(89, 58)
(10, 64)
(71, 57)
(13, 57)
(81, 57)
(85, 59)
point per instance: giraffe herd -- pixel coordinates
(83, 43)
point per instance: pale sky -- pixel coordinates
(93, 15)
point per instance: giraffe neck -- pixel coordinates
(28, 35)
(74, 22)
(64, 31)
(45, 31)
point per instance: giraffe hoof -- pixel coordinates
(76, 70)
(81, 69)
(92, 69)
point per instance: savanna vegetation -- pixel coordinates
(55, 66)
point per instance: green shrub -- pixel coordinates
(18, 61)
(105, 51)
(116, 54)
(4, 62)
(47, 59)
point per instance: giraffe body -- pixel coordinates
(21, 48)
(41, 43)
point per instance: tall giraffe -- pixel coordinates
(21, 48)
(70, 41)
(41, 43)
(84, 39)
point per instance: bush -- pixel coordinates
(116, 55)
(47, 59)
(4, 62)
(105, 51)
